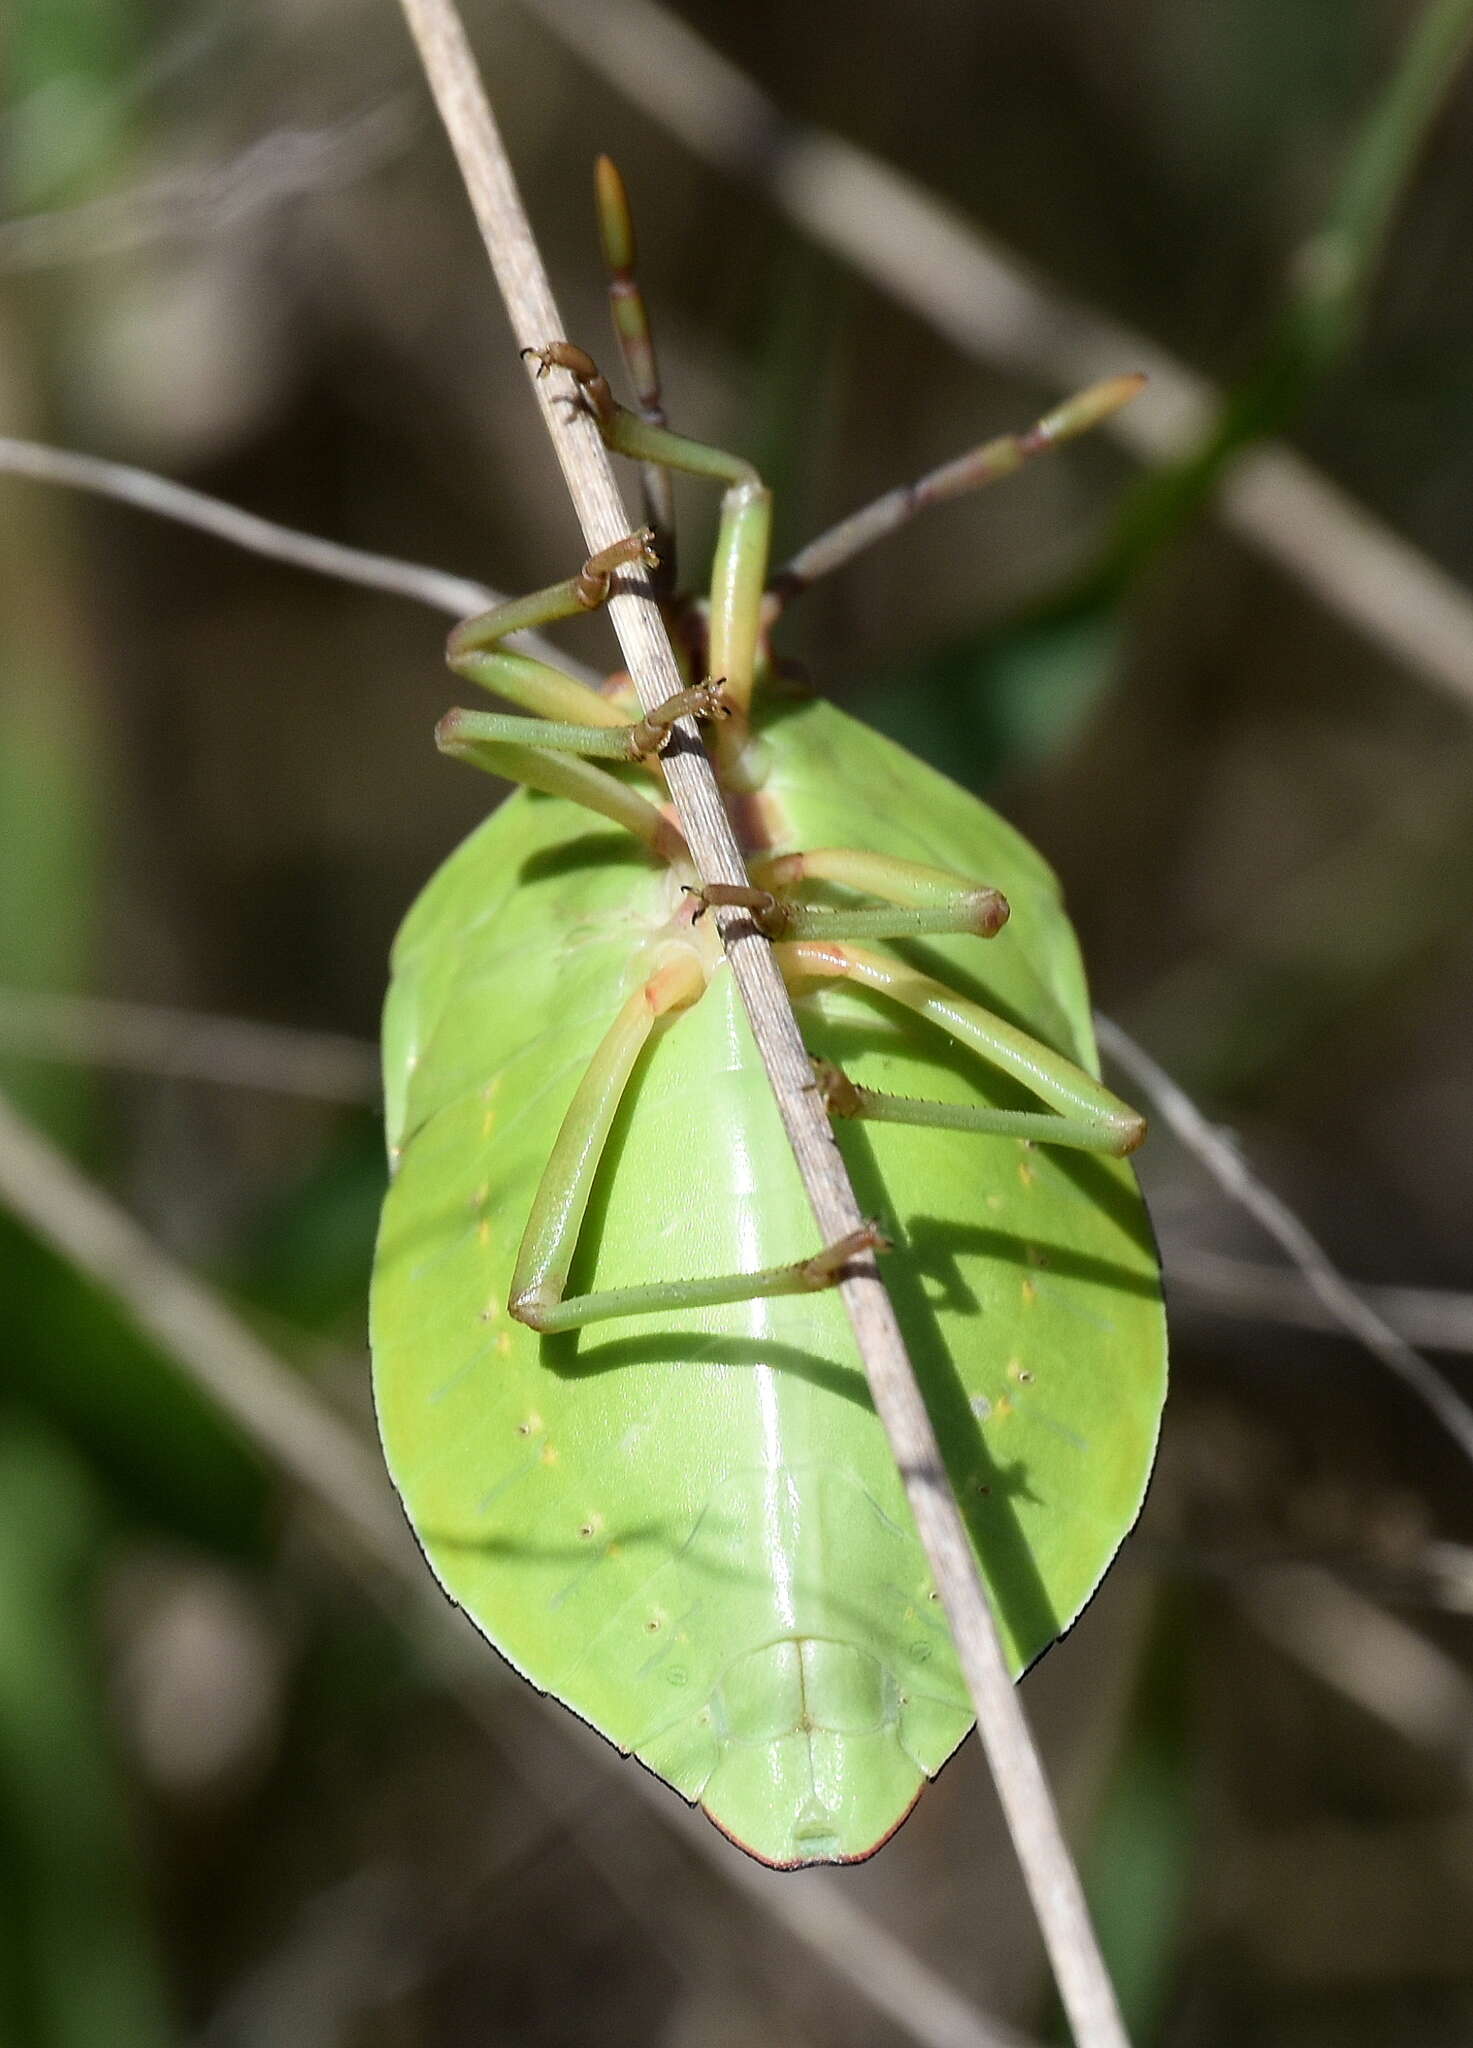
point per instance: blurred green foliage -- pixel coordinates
(217, 789)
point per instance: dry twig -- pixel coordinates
(1253, 1290)
(456, 595)
(272, 1406)
(1023, 1789)
(1351, 1311)
(210, 199)
(185, 1045)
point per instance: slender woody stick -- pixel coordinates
(1349, 1309)
(1084, 1985)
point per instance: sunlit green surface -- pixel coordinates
(689, 1527)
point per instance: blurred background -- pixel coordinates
(254, 1792)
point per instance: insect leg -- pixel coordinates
(845, 1098)
(636, 344)
(913, 899)
(568, 716)
(562, 775)
(551, 1238)
(624, 740)
(985, 465)
(738, 622)
(1088, 1117)
(474, 650)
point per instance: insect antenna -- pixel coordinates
(637, 346)
(987, 464)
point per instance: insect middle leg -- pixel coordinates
(1085, 1115)
(569, 719)
(539, 1281)
(909, 900)
(567, 715)
(736, 629)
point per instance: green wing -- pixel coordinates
(688, 1527)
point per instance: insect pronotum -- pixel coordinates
(616, 1390)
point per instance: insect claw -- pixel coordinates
(768, 912)
(593, 388)
(595, 579)
(840, 1095)
(717, 703)
(826, 1268)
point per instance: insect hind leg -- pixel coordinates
(907, 899)
(1081, 1112)
(539, 1281)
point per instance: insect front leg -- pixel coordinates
(640, 739)
(637, 345)
(569, 719)
(913, 900)
(475, 651)
(545, 1259)
(1087, 1117)
(739, 574)
(988, 464)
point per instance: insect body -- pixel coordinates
(617, 1391)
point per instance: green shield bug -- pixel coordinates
(617, 1391)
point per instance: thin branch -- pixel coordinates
(1351, 1644)
(185, 1045)
(268, 1402)
(1027, 1801)
(1236, 1178)
(994, 308)
(210, 199)
(455, 595)
(326, 1459)
(1439, 1317)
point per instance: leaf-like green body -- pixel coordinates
(689, 1527)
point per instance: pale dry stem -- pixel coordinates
(1023, 1789)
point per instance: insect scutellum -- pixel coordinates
(566, 726)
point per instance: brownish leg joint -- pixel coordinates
(592, 581)
(705, 701)
(770, 914)
(840, 1096)
(590, 379)
(827, 1267)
